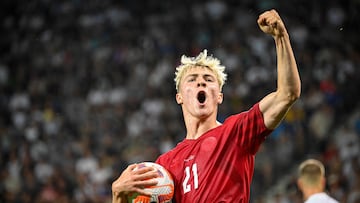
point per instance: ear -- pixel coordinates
(220, 98)
(301, 187)
(299, 183)
(323, 182)
(179, 99)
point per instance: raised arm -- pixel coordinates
(275, 105)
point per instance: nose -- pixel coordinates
(201, 84)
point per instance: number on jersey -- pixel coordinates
(187, 185)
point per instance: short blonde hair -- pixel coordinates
(203, 60)
(311, 171)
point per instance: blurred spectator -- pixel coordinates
(312, 182)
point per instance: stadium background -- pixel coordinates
(86, 87)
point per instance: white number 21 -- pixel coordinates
(186, 184)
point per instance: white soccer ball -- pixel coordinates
(163, 192)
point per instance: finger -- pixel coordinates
(146, 176)
(265, 14)
(266, 21)
(147, 172)
(275, 17)
(262, 20)
(144, 170)
(274, 12)
(145, 183)
(131, 167)
(273, 22)
(268, 17)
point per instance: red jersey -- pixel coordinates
(219, 165)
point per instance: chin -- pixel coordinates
(203, 113)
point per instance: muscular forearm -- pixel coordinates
(288, 76)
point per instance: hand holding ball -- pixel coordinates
(161, 193)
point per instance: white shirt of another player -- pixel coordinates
(321, 198)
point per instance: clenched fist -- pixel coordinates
(271, 23)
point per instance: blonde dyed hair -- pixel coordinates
(202, 60)
(311, 171)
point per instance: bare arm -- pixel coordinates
(275, 105)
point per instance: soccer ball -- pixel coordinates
(163, 192)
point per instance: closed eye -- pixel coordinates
(209, 78)
(191, 78)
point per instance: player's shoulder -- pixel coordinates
(255, 109)
(321, 197)
(166, 156)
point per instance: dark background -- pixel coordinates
(86, 87)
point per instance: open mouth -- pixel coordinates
(201, 97)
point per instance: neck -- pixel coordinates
(196, 127)
(311, 191)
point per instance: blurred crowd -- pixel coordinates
(86, 87)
